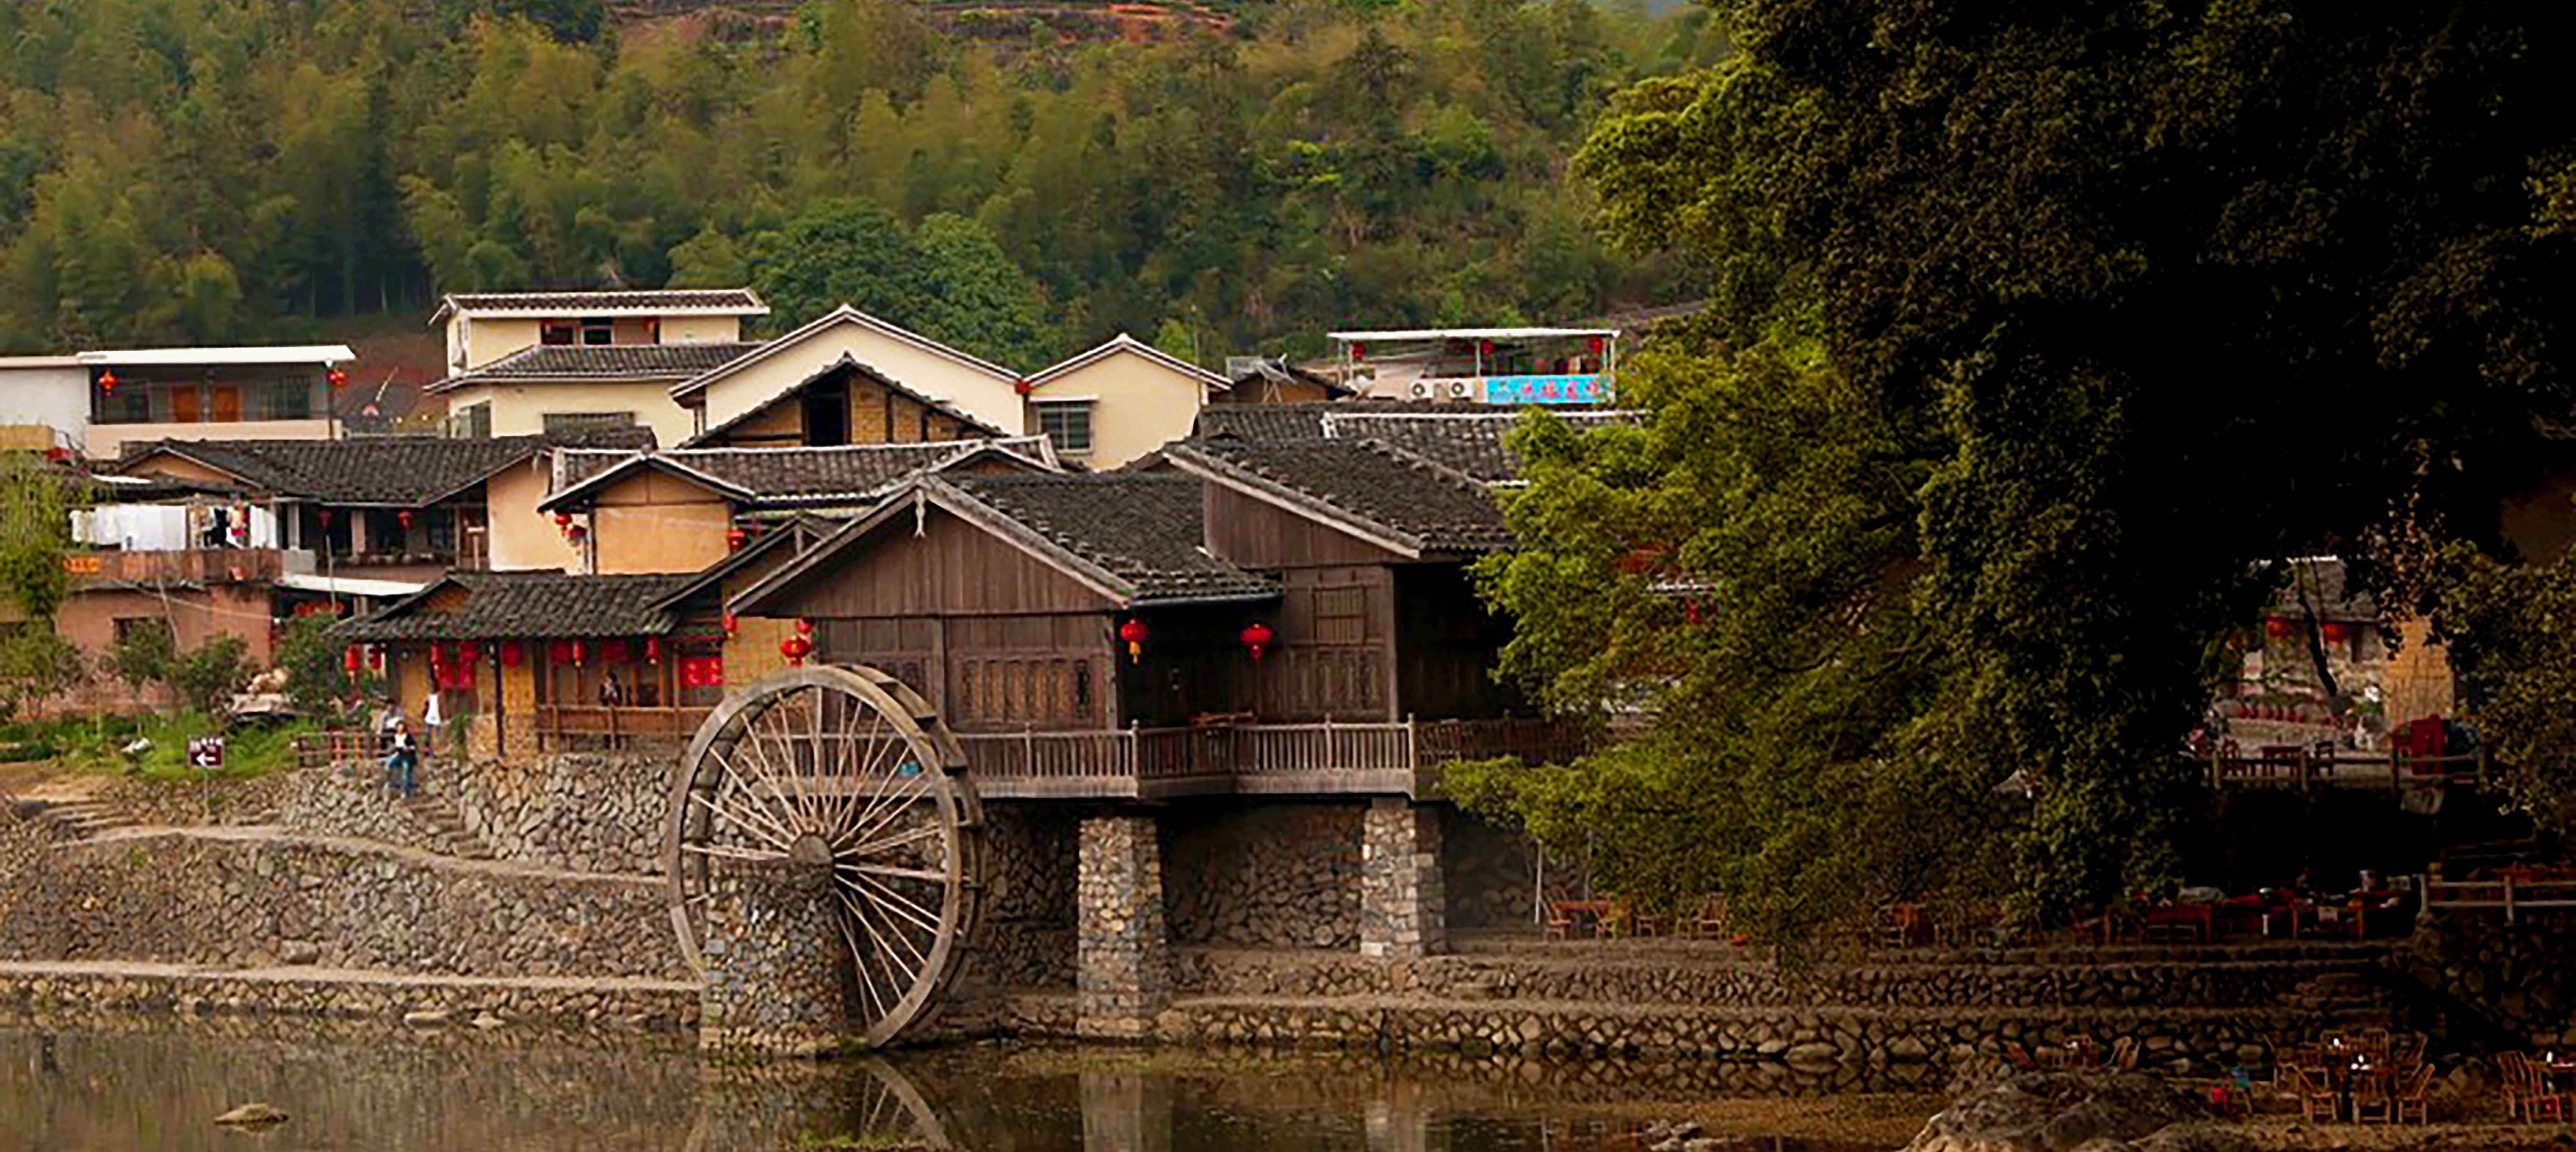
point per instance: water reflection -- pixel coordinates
(155, 1086)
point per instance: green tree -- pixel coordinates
(2096, 323)
(709, 259)
(317, 674)
(210, 673)
(972, 295)
(143, 653)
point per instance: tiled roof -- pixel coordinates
(656, 363)
(1470, 442)
(1367, 484)
(1302, 421)
(1144, 528)
(406, 471)
(536, 605)
(571, 303)
(776, 476)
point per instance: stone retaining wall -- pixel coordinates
(1271, 875)
(2490, 984)
(1714, 979)
(1025, 939)
(73, 994)
(585, 812)
(247, 900)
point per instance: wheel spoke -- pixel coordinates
(729, 852)
(877, 797)
(900, 873)
(910, 972)
(897, 800)
(898, 840)
(745, 821)
(883, 892)
(859, 961)
(846, 820)
(883, 949)
(757, 765)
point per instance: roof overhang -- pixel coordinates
(846, 362)
(579, 494)
(1132, 346)
(843, 314)
(189, 357)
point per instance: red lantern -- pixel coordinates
(796, 649)
(338, 378)
(376, 658)
(1690, 611)
(1022, 387)
(728, 623)
(576, 532)
(2337, 631)
(563, 521)
(1359, 351)
(653, 649)
(578, 652)
(1256, 638)
(352, 662)
(1134, 633)
(511, 654)
(735, 538)
(804, 627)
(1596, 345)
(324, 515)
(404, 517)
(2279, 627)
(1485, 346)
(107, 382)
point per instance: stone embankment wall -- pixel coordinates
(1025, 939)
(1278, 875)
(244, 899)
(2483, 983)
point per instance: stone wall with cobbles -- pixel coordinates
(1025, 938)
(1270, 875)
(584, 811)
(2484, 983)
(259, 901)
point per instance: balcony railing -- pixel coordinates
(184, 566)
(1324, 758)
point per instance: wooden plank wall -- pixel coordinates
(951, 569)
(1258, 534)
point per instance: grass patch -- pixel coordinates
(97, 745)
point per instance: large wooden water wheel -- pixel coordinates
(843, 779)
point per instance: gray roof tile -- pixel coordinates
(510, 605)
(1144, 528)
(1367, 482)
(643, 362)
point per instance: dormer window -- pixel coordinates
(599, 330)
(555, 332)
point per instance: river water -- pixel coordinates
(155, 1086)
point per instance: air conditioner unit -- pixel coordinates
(1421, 390)
(1457, 389)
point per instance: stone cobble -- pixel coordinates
(1264, 876)
(68, 993)
(1025, 939)
(581, 811)
(1125, 966)
(249, 900)
(2514, 979)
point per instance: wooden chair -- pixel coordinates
(2541, 1103)
(2372, 1098)
(2513, 1072)
(2316, 1095)
(2407, 1051)
(2409, 1099)
(2082, 1052)
(2374, 1044)
(1710, 922)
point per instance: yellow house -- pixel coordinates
(554, 389)
(977, 390)
(688, 509)
(484, 326)
(1118, 401)
(846, 402)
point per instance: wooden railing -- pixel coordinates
(183, 566)
(323, 749)
(564, 727)
(2305, 769)
(1322, 757)
(2510, 894)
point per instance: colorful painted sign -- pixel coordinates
(1585, 389)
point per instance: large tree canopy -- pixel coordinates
(2042, 329)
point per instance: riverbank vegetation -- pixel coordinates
(2042, 339)
(241, 171)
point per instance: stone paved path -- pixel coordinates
(271, 833)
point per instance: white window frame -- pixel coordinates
(1088, 406)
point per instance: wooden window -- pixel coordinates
(556, 332)
(1082, 687)
(1341, 615)
(598, 330)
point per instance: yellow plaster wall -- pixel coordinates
(487, 339)
(1139, 405)
(108, 441)
(701, 329)
(990, 398)
(652, 522)
(164, 464)
(751, 653)
(521, 540)
(521, 409)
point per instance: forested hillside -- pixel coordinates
(232, 170)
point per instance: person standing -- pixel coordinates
(402, 761)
